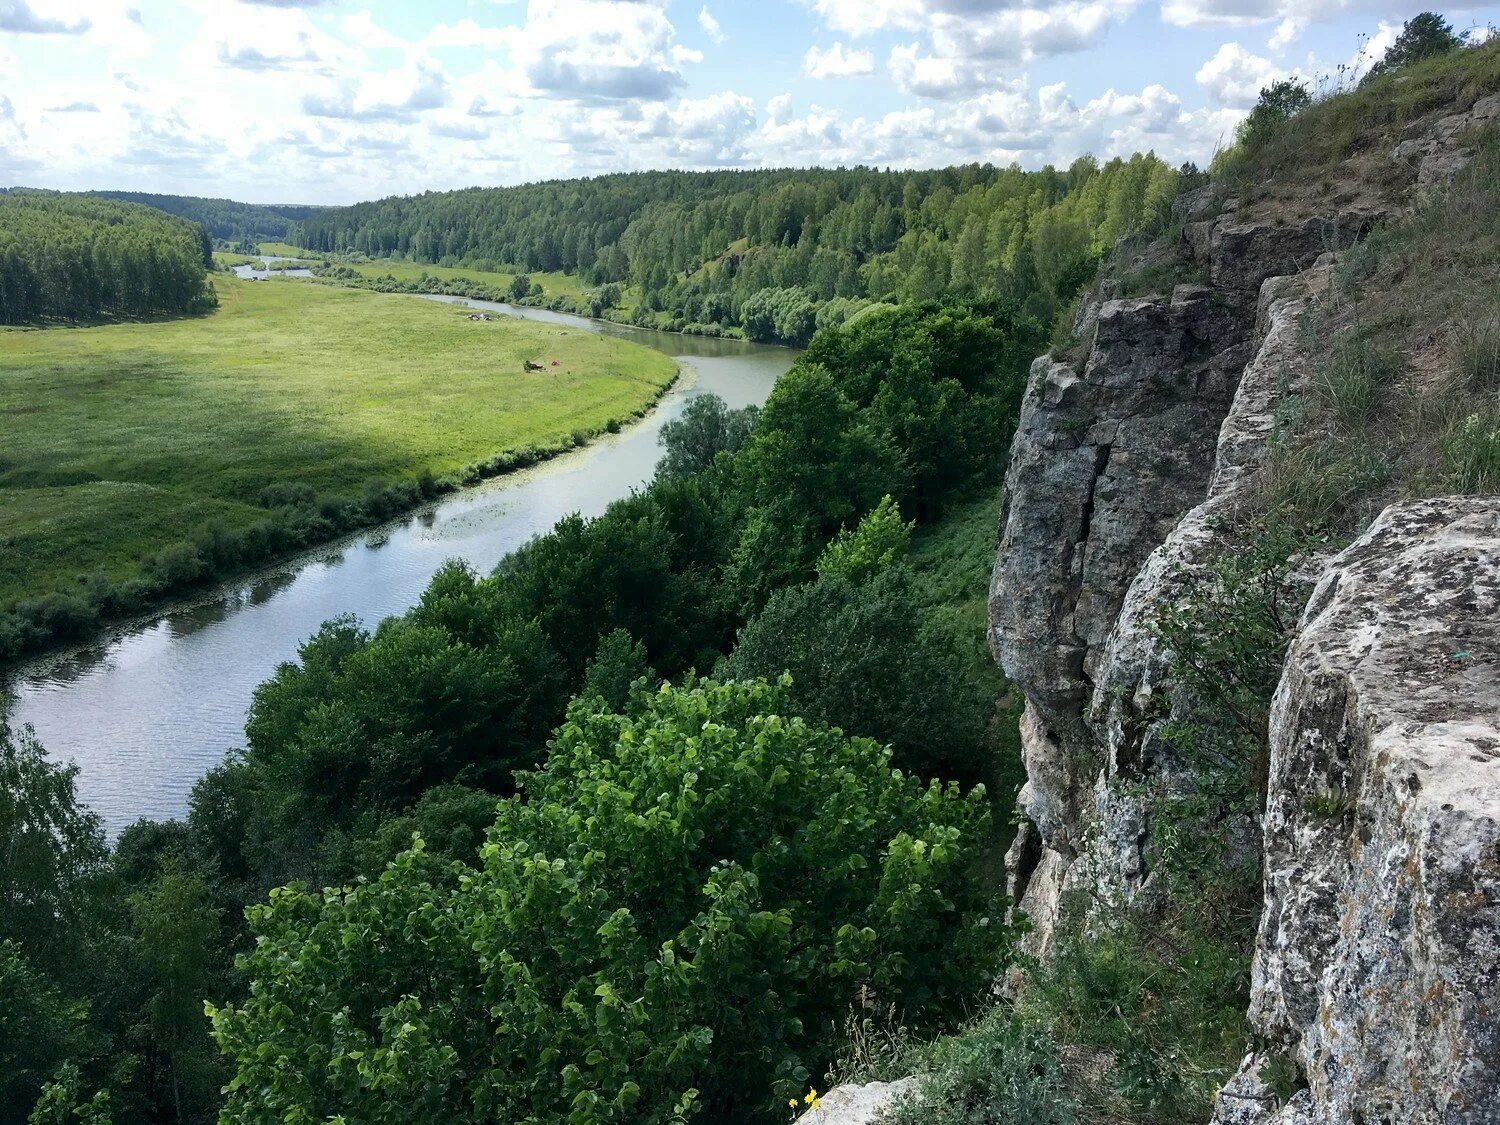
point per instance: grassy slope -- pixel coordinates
(129, 438)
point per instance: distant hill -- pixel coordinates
(224, 218)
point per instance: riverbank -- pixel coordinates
(162, 458)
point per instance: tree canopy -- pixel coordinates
(73, 257)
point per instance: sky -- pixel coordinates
(333, 101)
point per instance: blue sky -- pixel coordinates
(327, 101)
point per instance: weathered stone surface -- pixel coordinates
(1439, 152)
(1378, 962)
(1071, 609)
(858, 1105)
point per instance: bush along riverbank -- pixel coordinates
(297, 519)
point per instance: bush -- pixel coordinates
(998, 1072)
(671, 917)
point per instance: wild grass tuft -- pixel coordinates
(1471, 453)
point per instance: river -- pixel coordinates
(147, 709)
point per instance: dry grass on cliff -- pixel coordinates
(1344, 138)
(1407, 394)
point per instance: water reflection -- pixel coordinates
(147, 712)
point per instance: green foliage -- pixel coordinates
(568, 980)
(619, 662)
(705, 428)
(225, 218)
(1227, 636)
(1278, 104)
(74, 257)
(38, 1027)
(868, 656)
(1000, 1071)
(54, 853)
(1424, 36)
(62, 1103)
(877, 543)
(779, 252)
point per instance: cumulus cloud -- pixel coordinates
(597, 50)
(961, 47)
(427, 89)
(1235, 77)
(710, 25)
(837, 62)
(17, 16)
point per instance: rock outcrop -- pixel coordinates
(858, 1105)
(1377, 969)
(1377, 973)
(1115, 476)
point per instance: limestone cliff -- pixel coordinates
(1378, 958)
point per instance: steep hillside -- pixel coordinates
(1248, 583)
(1183, 479)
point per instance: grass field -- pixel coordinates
(284, 250)
(127, 439)
(553, 284)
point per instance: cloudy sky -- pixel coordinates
(326, 101)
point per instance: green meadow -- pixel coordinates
(123, 440)
(553, 284)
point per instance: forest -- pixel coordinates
(834, 838)
(226, 219)
(779, 253)
(72, 258)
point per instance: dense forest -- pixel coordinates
(76, 258)
(834, 841)
(225, 219)
(779, 253)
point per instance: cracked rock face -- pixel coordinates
(1104, 509)
(1377, 967)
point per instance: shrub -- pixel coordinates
(1000, 1071)
(866, 657)
(671, 917)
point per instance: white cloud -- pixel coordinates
(17, 16)
(1234, 77)
(710, 25)
(597, 50)
(837, 62)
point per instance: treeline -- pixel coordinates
(225, 218)
(768, 250)
(687, 889)
(74, 258)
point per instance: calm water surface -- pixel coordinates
(150, 708)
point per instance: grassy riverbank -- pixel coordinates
(307, 406)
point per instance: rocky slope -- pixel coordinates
(1378, 952)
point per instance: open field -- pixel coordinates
(125, 440)
(284, 250)
(553, 284)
